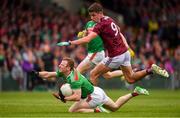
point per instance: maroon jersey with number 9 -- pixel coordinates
(110, 35)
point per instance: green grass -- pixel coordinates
(160, 103)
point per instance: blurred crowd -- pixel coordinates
(29, 33)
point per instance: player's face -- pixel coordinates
(63, 67)
(95, 16)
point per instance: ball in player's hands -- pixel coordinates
(66, 90)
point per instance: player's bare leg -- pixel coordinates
(83, 67)
(113, 106)
(112, 74)
(85, 110)
(96, 110)
(82, 104)
(132, 76)
(100, 69)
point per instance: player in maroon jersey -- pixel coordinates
(118, 54)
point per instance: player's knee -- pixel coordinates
(129, 79)
(71, 110)
(107, 76)
(115, 108)
(92, 73)
(79, 69)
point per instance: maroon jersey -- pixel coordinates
(111, 37)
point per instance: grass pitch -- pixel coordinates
(160, 103)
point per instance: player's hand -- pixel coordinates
(131, 52)
(34, 72)
(81, 34)
(63, 44)
(62, 96)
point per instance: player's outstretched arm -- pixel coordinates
(44, 74)
(63, 44)
(47, 75)
(34, 72)
(83, 40)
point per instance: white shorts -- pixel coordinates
(115, 62)
(94, 58)
(96, 98)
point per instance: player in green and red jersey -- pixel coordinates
(88, 98)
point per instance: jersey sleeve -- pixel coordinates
(59, 74)
(86, 26)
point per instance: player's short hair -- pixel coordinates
(95, 7)
(70, 62)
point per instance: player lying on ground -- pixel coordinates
(87, 97)
(118, 54)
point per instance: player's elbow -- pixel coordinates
(71, 110)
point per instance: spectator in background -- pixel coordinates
(48, 61)
(176, 65)
(17, 74)
(2, 64)
(27, 65)
(47, 57)
(2, 56)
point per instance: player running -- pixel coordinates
(88, 98)
(118, 54)
(96, 53)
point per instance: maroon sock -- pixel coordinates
(134, 94)
(149, 71)
(96, 110)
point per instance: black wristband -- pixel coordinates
(62, 96)
(37, 73)
(69, 42)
